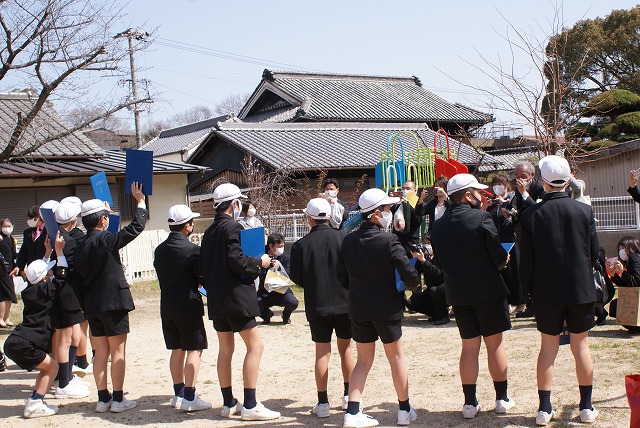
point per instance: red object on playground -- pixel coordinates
(632, 384)
(448, 167)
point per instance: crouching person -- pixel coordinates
(30, 343)
(177, 265)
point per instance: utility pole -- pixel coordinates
(131, 34)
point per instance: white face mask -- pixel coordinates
(386, 219)
(7, 230)
(279, 251)
(251, 212)
(623, 255)
(32, 222)
(498, 189)
(405, 192)
(236, 209)
(429, 249)
(330, 193)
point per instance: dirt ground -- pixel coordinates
(287, 384)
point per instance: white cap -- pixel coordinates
(38, 269)
(318, 208)
(226, 192)
(51, 204)
(73, 199)
(93, 206)
(66, 212)
(554, 170)
(180, 214)
(463, 181)
(373, 198)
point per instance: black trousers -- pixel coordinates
(287, 300)
(431, 302)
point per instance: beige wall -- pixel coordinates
(172, 157)
(608, 177)
(168, 190)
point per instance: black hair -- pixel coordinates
(318, 221)
(6, 219)
(179, 227)
(275, 238)
(457, 197)
(441, 182)
(630, 244)
(367, 215)
(91, 221)
(330, 181)
(33, 212)
(223, 207)
(245, 207)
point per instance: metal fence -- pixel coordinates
(612, 213)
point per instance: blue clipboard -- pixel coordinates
(202, 291)
(101, 188)
(114, 223)
(50, 224)
(508, 246)
(399, 282)
(139, 170)
(252, 242)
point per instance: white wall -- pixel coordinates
(168, 190)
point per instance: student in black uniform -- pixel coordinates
(231, 298)
(267, 300)
(106, 296)
(30, 343)
(466, 243)
(559, 250)
(366, 266)
(8, 271)
(177, 263)
(67, 336)
(313, 267)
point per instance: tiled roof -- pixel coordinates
(330, 145)
(45, 125)
(187, 137)
(339, 97)
(113, 163)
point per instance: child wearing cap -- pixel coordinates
(29, 344)
(181, 309)
(105, 293)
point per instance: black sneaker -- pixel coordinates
(266, 318)
(527, 313)
(286, 320)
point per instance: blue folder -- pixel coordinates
(508, 246)
(252, 241)
(139, 170)
(50, 224)
(399, 282)
(114, 223)
(101, 188)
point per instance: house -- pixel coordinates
(111, 140)
(62, 167)
(321, 97)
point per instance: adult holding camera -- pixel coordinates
(476, 291)
(625, 271)
(439, 202)
(559, 250)
(408, 232)
(506, 231)
(431, 302)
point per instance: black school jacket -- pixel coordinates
(31, 250)
(558, 250)
(467, 246)
(97, 270)
(366, 266)
(177, 263)
(313, 267)
(228, 273)
(41, 310)
(68, 298)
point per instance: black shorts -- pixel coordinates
(110, 323)
(322, 328)
(483, 319)
(69, 318)
(23, 352)
(550, 318)
(369, 331)
(234, 324)
(187, 334)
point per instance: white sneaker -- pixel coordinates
(196, 405)
(502, 406)
(405, 418)
(543, 418)
(359, 420)
(82, 372)
(176, 401)
(122, 406)
(37, 408)
(227, 412)
(258, 413)
(80, 381)
(345, 402)
(321, 410)
(587, 416)
(71, 391)
(102, 407)
(469, 411)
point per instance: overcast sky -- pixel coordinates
(434, 40)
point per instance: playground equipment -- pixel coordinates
(447, 167)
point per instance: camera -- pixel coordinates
(419, 247)
(512, 216)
